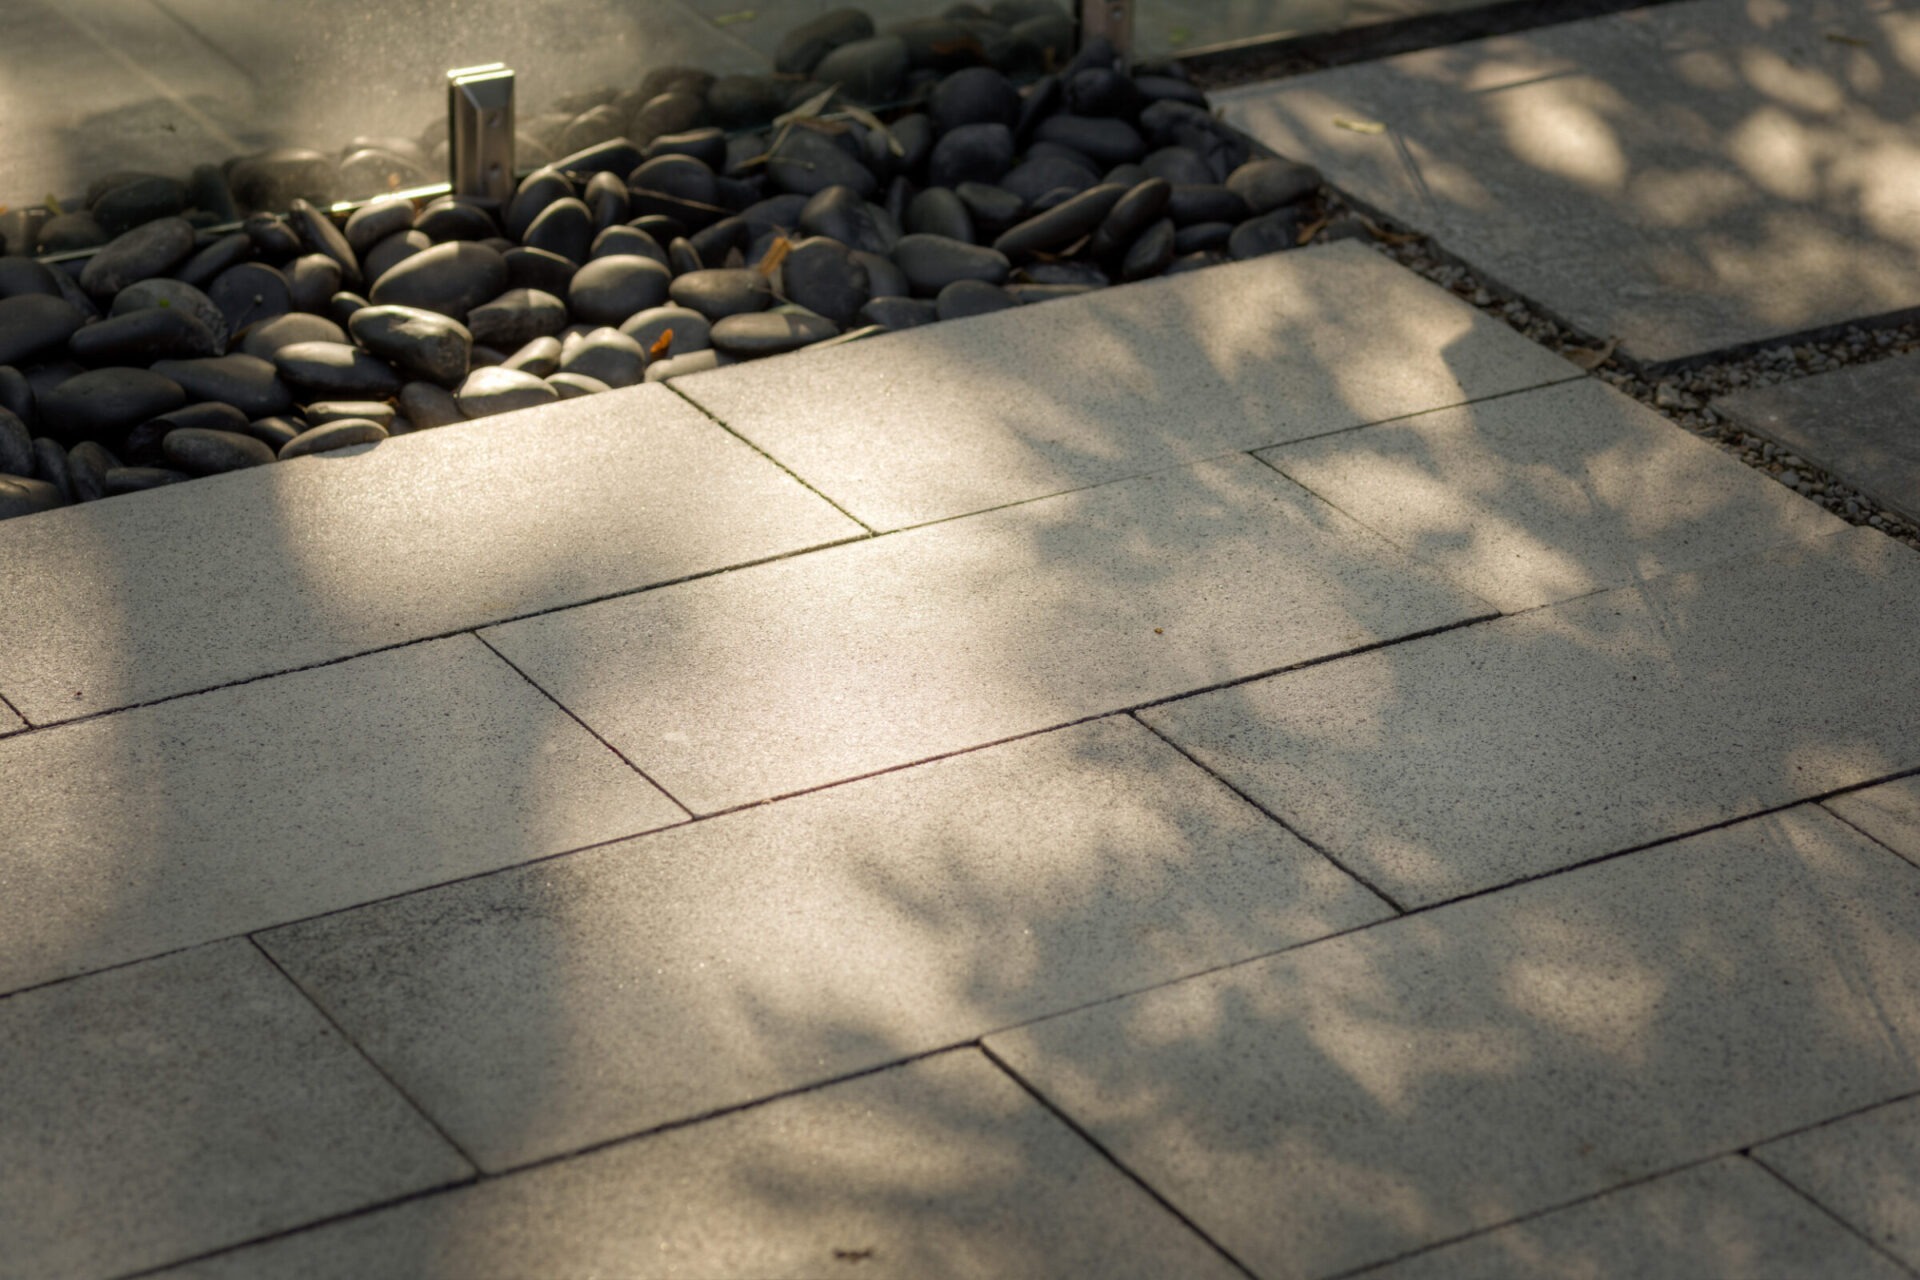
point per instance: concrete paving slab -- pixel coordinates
(1551, 494)
(1686, 177)
(9, 722)
(813, 670)
(1362, 1097)
(1865, 1169)
(1890, 813)
(1468, 760)
(828, 934)
(1860, 423)
(167, 826)
(181, 589)
(1724, 1218)
(942, 1168)
(184, 1105)
(939, 422)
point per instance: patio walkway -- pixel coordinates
(1264, 771)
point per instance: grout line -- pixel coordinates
(795, 476)
(366, 1057)
(622, 756)
(1844, 821)
(1808, 1196)
(472, 628)
(1284, 825)
(1087, 1137)
(16, 711)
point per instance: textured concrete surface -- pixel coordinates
(1862, 424)
(1362, 1097)
(1468, 760)
(9, 722)
(1864, 1169)
(941, 1168)
(1726, 1218)
(1890, 813)
(182, 1105)
(208, 816)
(1686, 177)
(242, 575)
(791, 943)
(1539, 497)
(939, 422)
(824, 667)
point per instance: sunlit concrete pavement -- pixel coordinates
(1264, 771)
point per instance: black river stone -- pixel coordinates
(229, 250)
(151, 250)
(318, 233)
(141, 337)
(720, 292)
(32, 324)
(840, 214)
(16, 445)
(992, 209)
(822, 276)
(451, 279)
(537, 190)
(616, 242)
(938, 212)
(1150, 254)
(768, 333)
(870, 70)
(1061, 225)
(1135, 211)
(489, 391)
(25, 496)
(1269, 233)
(564, 227)
(807, 162)
(973, 95)
(394, 250)
(335, 369)
(174, 294)
(249, 293)
(608, 290)
(606, 198)
(312, 280)
(450, 218)
(1104, 141)
(971, 153)
(105, 403)
(931, 263)
(606, 354)
(269, 336)
(1179, 165)
(333, 435)
(1210, 203)
(425, 344)
(802, 48)
(24, 276)
(374, 221)
(1267, 185)
(200, 452)
(965, 298)
(246, 382)
(516, 318)
(898, 313)
(539, 269)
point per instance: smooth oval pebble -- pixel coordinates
(539, 357)
(150, 250)
(201, 452)
(269, 336)
(33, 324)
(321, 412)
(608, 290)
(425, 344)
(720, 292)
(607, 355)
(177, 296)
(964, 298)
(25, 496)
(573, 385)
(490, 391)
(765, 333)
(516, 318)
(333, 435)
(104, 403)
(248, 383)
(931, 263)
(336, 369)
(141, 337)
(250, 293)
(689, 329)
(134, 479)
(426, 405)
(451, 279)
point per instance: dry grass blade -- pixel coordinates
(1385, 236)
(661, 345)
(1313, 228)
(1359, 126)
(872, 121)
(1591, 358)
(776, 255)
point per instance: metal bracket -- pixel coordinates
(1112, 19)
(480, 131)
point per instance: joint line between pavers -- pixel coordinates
(795, 476)
(393, 1084)
(1273, 817)
(1842, 818)
(1811, 1199)
(16, 711)
(1107, 1154)
(568, 711)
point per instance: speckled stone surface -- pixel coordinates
(165, 826)
(1864, 1169)
(1467, 760)
(754, 684)
(1362, 1097)
(940, 422)
(1890, 813)
(790, 943)
(1724, 1218)
(182, 1105)
(1546, 495)
(1685, 177)
(1858, 423)
(241, 575)
(943, 1167)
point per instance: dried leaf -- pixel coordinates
(1359, 126)
(1385, 236)
(1591, 358)
(1839, 37)
(1314, 228)
(51, 203)
(776, 255)
(811, 107)
(872, 121)
(828, 125)
(661, 345)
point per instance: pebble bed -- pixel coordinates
(1683, 396)
(666, 243)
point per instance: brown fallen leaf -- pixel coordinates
(1385, 236)
(1359, 126)
(775, 256)
(1313, 228)
(1839, 37)
(661, 345)
(1591, 358)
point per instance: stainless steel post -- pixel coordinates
(480, 131)
(1112, 19)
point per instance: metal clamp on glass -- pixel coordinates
(480, 131)
(1112, 19)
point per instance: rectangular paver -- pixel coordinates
(204, 817)
(1686, 177)
(1467, 760)
(961, 417)
(1551, 494)
(542, 1010)
(1865, 1169)
(820, 668)
(184, 1105)
(943, 1168)
(176, 590)
(1858, 423)
(1362, 1097)
(1890, 813)
(1728, 1217)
